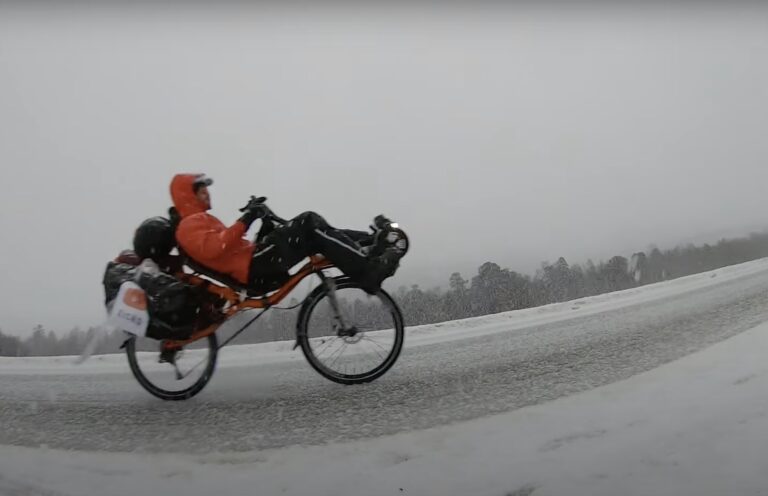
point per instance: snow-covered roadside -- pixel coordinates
(692, 427)
(281, 351)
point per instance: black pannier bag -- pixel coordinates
(114, 276)
(173, 306)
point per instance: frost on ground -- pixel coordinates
(692, 427)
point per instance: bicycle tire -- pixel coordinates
(348, 379)
(164, 394)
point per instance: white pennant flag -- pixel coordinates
(129, 310)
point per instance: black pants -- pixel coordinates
(305, 235)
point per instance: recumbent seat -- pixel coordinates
(217, 276)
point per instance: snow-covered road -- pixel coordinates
(448, 373)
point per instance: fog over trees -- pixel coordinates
(492, 289)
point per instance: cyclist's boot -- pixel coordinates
(386, 235)
(380, 268)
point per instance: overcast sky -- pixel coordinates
(514, 134)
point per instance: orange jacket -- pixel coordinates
(205, 238)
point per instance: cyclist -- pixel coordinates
(264, 265)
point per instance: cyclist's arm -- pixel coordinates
(203, 240)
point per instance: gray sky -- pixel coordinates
(508, 134)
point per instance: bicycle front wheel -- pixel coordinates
(360, 346)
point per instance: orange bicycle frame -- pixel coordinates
(239, 302)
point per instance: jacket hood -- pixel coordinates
(184, 198)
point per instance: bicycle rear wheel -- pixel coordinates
(364, 347)
(193, 367)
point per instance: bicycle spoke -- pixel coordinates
(325, 345)
(339, 350)
(344, 346)
(383, 357)
(371, 340)
(337, 340)
(204, 360)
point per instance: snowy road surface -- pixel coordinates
(498, 368)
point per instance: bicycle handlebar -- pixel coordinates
(270, 214)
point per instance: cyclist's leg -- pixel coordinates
(341, 249)
(265, 276)
(339, 246)
(270, 263)
(308, 234)
(278, 251)
(363, 238)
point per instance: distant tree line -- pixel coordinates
(493, 289)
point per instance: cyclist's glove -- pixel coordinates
(255, 209)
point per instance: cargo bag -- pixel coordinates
(173, 305)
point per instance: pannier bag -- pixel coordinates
(173, 305)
